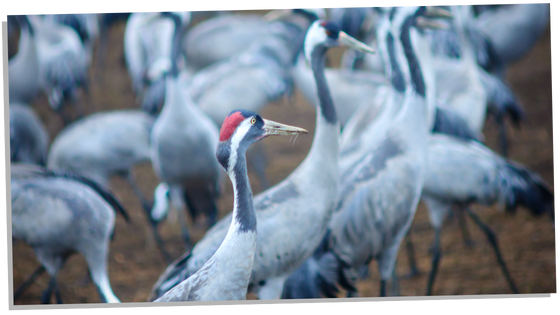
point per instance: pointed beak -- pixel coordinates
(276, 14)
(426, 23)
(273, 128)
(438, 13)
(349, 41)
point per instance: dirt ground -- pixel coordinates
(527, 243)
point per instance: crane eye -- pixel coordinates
(253, 120)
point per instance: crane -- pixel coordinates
(226, 275)
(226, 36)
(61, 213)
(505, 33)
(63, 64)
(23, 68)
(106, 144)
(182, 143)
(29, 139)
(381, 188)
(487, 179)
(147, 49)
(293, 215)
(85, 25)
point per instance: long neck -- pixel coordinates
(244, 219)
(325, 142)
(176, 44)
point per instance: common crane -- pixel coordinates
(226, 275)
(58, 214)
(380, 190)
(293, 215)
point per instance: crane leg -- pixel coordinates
(258, 162)
(504, 146)
(46, 296)
(494, 242)
(411, 257)
(352, 294)
(39, 271)
(383, 288)
(464, 229)
(395, 285)
(147, 206)
(435, 262)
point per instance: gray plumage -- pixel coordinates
(485, 178)
(86, 25)
(29, 139)
(507, 32)
(291, 216)
(226, 275)
(23, 68)
(147, 49)
(226, 36)
(380, 189)
(62, 61)
(103, 145)
(58, 214)
(251, 80)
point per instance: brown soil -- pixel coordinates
(527, 243)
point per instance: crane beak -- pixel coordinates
(276, 14)
(349, 41)
(426, 23)
(438, 13)
(272, 128)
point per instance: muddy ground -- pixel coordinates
(135, 264)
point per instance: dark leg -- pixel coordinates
(395, 285)
(257, 160)
(46, 296)
(57, 295)
(352, 294)
(39, 271)
(383, 288)
(435, 262)
(494, 242)
(502, 134)
(411, 257)
(464, 229)
(147, 206)
(184, 229)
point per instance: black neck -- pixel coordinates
(245, 214)
(416, 77)
(24, 24)
(176, 43)
(326, 105)
(236, 166)
(397, 78)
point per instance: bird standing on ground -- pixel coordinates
(293, 215)
(29, 139)
(58, 214)
(181, 133)
(225, 276)
(23, 68)
(381, 189)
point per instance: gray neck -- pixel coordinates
(243, 210)
(326, 105)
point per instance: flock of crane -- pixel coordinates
(400, 122)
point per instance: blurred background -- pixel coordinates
(135, 264)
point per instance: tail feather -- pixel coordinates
(528, 190)
(449, 123)
(172, 276)
(98, 188)
(501, 100)
(317, 277)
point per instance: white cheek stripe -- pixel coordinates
(315, 35)
(236, 139)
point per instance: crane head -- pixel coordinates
(241, 128)
(328, 34)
